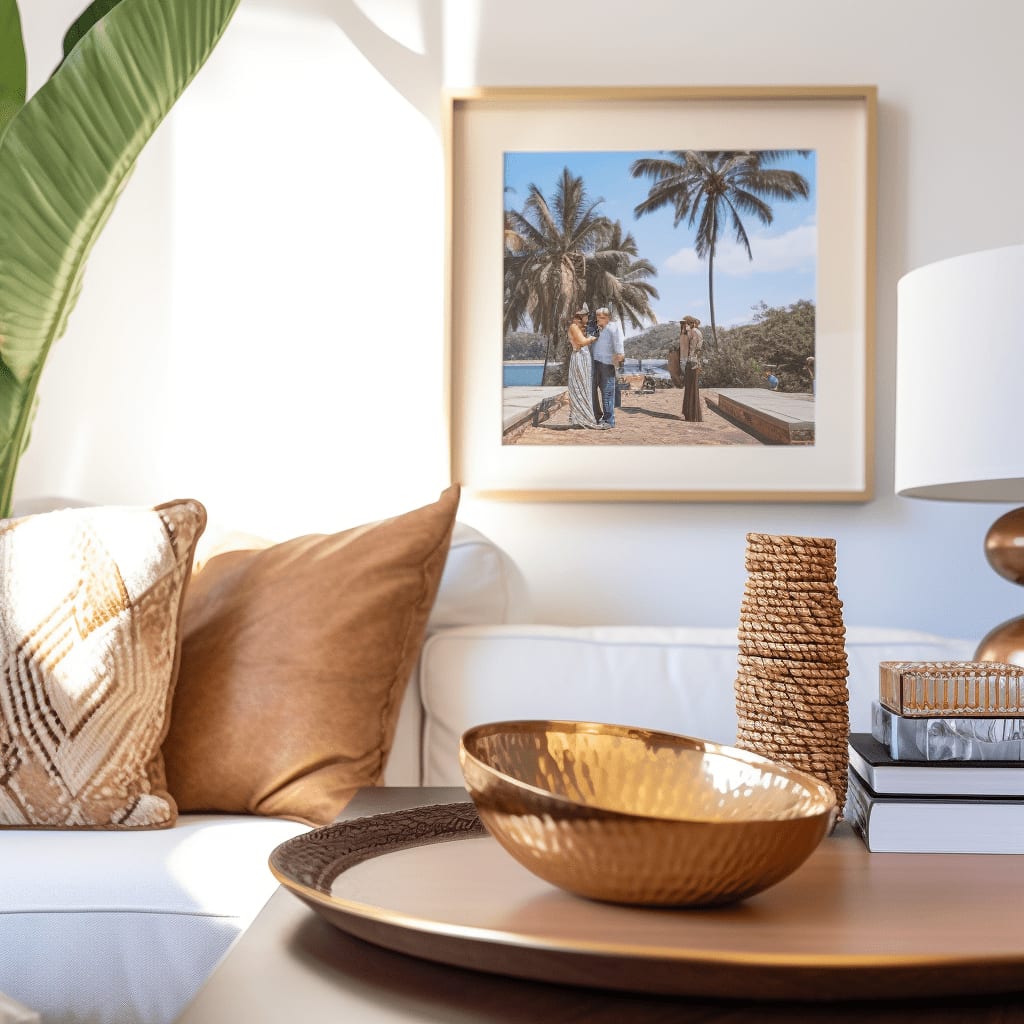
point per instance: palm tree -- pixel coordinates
(547, 246)
(712, 189)
(617, 278)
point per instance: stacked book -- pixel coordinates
(942, 770)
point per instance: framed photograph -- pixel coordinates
(662, 294)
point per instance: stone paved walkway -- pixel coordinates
(641, 420)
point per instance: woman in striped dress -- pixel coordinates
(581, 370)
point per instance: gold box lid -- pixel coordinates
(983, 689)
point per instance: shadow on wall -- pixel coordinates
(404, 41)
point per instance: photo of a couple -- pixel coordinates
(593, 355)
(592, 366)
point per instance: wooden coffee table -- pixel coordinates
(293, 965)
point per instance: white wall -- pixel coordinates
(261, 323)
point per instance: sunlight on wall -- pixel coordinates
(261, 325)
(300, 292)
(461, 41)
(261, 320)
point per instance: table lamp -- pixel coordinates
(959, 402)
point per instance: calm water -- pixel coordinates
(521, 374)
(529, 374)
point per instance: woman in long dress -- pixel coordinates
(691, 341)
(581, 372)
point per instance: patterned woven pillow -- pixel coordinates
(90, 600)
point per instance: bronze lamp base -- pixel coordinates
(1004, 549)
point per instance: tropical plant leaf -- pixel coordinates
(64, 160)
(12, 63)
(85, 21)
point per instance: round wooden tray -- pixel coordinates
(848, 924)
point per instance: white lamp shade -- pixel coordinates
(960, 379)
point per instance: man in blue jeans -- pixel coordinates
(608, 352)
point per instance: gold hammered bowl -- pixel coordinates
(630, 815)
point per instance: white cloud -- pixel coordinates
(794, 250)
(684, 262)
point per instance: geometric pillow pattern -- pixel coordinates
(90, 605)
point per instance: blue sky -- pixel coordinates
(783, 267)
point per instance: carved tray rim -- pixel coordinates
(308, 864)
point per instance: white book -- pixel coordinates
(887, 775)
(934, 824)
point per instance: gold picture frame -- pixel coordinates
(837, 124)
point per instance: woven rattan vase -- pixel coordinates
(792, 704)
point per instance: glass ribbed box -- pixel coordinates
(958, 689)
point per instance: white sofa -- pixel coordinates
(124, 927)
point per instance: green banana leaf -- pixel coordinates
(64, 160)
(12, 63)
(85, 21)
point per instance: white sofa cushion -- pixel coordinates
(480, 584)
(675, 679)
(125, 926)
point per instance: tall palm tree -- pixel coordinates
(547, 246)
(711, 189)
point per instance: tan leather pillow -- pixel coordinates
(90, 601)
(294, 662)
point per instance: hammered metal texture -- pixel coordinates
(635, 816)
